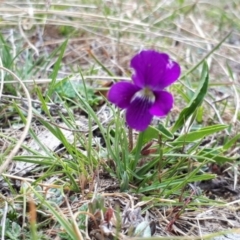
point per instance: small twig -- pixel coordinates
(33, 180)
(30, 13)
(221, 99)
(25, 99)
(75, 225)
(75, 76)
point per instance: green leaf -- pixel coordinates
(149, 134)
(195, 102)
(214, 156)
(201, 133)
(165, 132)
(124, 185)
(44, 105)
(146, 168)
(5, 53)
(170, 183)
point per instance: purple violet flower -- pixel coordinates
(146, 97)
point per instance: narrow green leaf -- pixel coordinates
(195, 102)
(147, 167)
(201, 133)
(215, 157)
(43, 102)
(5, 53)
(124, 185)
(56, 68)
(164, 131)
(101, 64)
(231, 142)
(170, 183)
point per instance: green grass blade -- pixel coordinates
(201, 133)
(195, 102)
(56, 68)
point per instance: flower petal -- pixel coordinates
(155, 70)
(162, 105)
(172, 73)
(121, 93)
(137, 115)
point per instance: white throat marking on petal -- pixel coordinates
(145, 94)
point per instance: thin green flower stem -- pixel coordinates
(138, 150)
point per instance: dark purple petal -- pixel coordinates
(137, 115)
(172, 73)
(121, 93)
(155, 70)
(162, 105)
